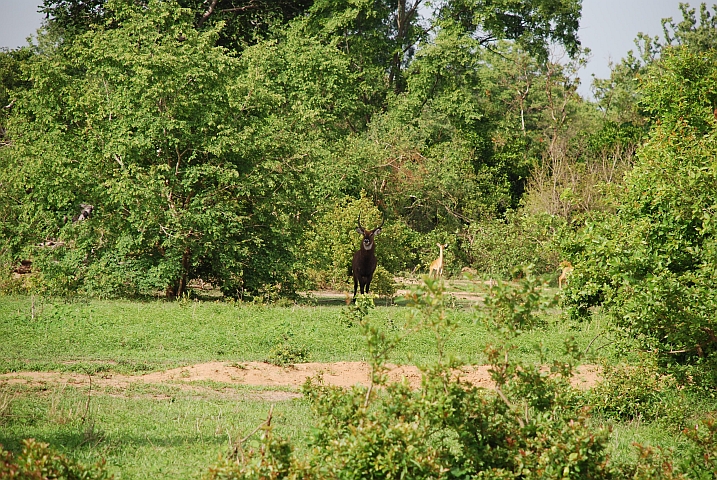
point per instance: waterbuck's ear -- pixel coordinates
(377, 231)
(359, 230)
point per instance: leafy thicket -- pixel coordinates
(38, 460)
(210, 150)
(11, 79)
(649, 258)
(157, 128)
(653, 264)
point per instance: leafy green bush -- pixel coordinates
(287, 352)
(192, 191)
(11, 284)
(496, 247)
(273, 460)
(654, 265)
(641, 392)
(703, 462)
(37, 460)
(657, 463)
(382, 283)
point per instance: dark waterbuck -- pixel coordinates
(364, 261)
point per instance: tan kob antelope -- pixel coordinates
(364, 261)
(437, 264)
(567, 269)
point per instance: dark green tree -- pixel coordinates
(385, 35)
(196, 163)
(533, 25)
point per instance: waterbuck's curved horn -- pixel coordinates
(382, 221)
(359, 222)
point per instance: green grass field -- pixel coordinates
(134, 337)
(171, 431)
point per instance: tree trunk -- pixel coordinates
(179, 288)
(405, 15)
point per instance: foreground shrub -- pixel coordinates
(524, 428)
(39, 461)
(627, 393)
(448, 428)
(703, 461)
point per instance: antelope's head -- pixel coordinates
(367, 243)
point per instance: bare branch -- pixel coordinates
(206, 15)
(239, 445)
(510, 405)
(249, 6)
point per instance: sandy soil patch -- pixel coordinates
(342, 374)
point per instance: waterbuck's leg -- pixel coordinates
(355, 286)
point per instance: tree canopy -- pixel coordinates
(226, 140)
(209, 138)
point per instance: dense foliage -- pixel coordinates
(192, 160)
(653, 264)
(204, 149)
(146, 144)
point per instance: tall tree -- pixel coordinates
(423, 77)
(194, 160)
(386, 34)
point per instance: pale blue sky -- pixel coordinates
(608, 27)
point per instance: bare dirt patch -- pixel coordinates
(463, 292)
(286, 380)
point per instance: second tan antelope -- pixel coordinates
(437, 264)
(567, 269)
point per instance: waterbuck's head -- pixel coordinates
(367, 243)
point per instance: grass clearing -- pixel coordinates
(144, 431)
(135, 337)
